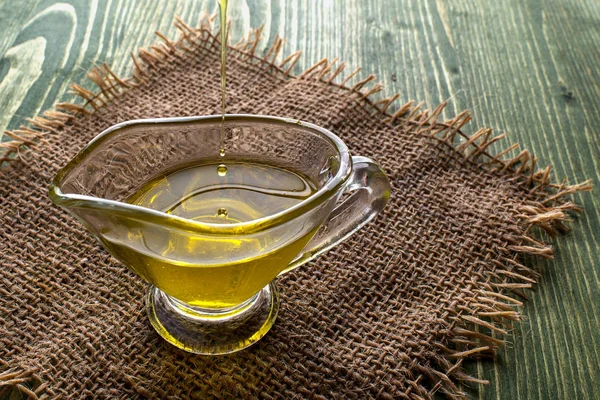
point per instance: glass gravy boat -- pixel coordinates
(212, 289)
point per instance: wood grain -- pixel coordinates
(529, 68)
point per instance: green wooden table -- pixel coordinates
(527, 67)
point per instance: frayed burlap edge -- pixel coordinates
(474, 331)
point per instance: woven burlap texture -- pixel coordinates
(391, 313)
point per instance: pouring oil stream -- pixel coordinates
(223, 17)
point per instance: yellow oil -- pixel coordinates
(223, 28)
(222, 170)
(212, 271)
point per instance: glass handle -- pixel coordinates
(369, 190)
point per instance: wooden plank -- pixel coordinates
(527, 68)
(527, 60)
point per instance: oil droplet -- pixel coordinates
(222, 170)
(222, 153)
(222, 213)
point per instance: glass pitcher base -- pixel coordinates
(203, 331)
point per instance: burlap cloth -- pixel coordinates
(391, 313)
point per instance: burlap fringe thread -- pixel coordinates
(474, 331)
